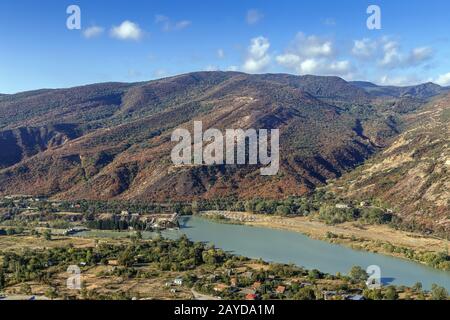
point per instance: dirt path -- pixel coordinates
(200, 296)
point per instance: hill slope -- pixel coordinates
(112, 141)
(413, 173)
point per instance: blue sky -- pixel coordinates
(139, 40)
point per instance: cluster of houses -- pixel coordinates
(249, 292)
(164, 222)
(153, 221)
(28, 205)
(254, 291)
(176, 282)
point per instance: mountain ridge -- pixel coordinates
(118, 144)
(423, 90)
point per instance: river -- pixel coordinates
(281, 246)
(292, 247)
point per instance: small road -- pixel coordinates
(199, 296)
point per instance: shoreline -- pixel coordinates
(380, 239)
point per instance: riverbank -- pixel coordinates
(114, 272)
(373, 238)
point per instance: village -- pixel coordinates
(23, 208)
(237, 280)
(117, 258)
(239, 284)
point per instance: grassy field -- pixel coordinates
(19, 242)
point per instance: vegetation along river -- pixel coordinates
(292, 247)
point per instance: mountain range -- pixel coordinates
(113, 140)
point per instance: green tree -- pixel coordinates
(314, 274)
(283, 210)
(48, 235)
(249, 206)
(195, 207)
(2, 280)
(51, 293)
(305, 294)
(358, 274)
(417, 287)
(126, 258)
(373, 294)
(260, 206)
(391, 293)
(25, 289)
(438, 293)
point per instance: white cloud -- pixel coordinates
(93, 32)
(308, 66)
(167, 25)
(443, 79)
(288, 59)
(419, 55)
(127, 31)
(258, 58)
(233, 68)
(342, 67)
(394, 58)
(313, 55)
(254, 16)
(312, 46)
(220, 53)
(391, 55)
(399, 80)
(316, 66)
(364, 48)
(259, 47)
(388, 53)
